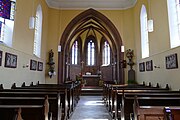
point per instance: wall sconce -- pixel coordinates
(123, 62)
(156, 66)
(59, 48)
(31, 22)
(51, 64)
(150, 25)
(26, 66)
(122, 48)
(32, 18)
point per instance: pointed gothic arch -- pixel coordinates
(91, 19)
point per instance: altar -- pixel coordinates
(91, 80)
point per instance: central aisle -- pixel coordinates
(90, 108)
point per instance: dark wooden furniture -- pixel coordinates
(119, 99)
(13, 107)
(62, 97)
(161, 107)
(124, 100)
(91, 80)
(111, 91)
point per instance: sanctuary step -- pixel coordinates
(92, 90)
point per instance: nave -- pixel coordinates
(91, 108)
(68, 101)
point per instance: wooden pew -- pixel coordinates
(71, 93)
(175, 111)
(157, 111)
(69, 106)
(57, 99)
(111, 101)
(106, 87)
(27, 108)
(125, 99)
(109, 89)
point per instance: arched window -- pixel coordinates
(7, 12)
(106, 53)
(174, 22)
(91, 53)
(74, 53)
(37, 32)
(144, 33)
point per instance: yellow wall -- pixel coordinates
(22, 46)
(59, 19)
(55, 21)
(159, 45)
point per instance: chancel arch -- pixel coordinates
(95, 25)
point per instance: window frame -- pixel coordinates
(75, 51)
(106, 53)
(93, 39)
(144, 32)
(174, 22)
(7, 28)
(38, 32)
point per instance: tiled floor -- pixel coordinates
(91, 108)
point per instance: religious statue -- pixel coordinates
(131, 72)
(51, 63)
(130, 55)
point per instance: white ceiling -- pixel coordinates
(95, 4)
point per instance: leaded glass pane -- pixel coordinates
(5, 8)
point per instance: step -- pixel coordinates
(91, 90)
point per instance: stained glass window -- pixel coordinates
(0, 27)
(5, 8)
(7, 12)
(13, 7)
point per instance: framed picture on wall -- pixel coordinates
(10, 60)
(1, 53)
(40, 66)
(149, 65)
(141, 67)
(33, 64)
(171, 61)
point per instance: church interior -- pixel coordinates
(60, 54)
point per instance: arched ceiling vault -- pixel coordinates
(91, 20)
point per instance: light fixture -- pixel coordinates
(150, 25)
(32, 19)
(31, 22)
(59, 48)
(26, 66)
(51, 73)
(122, 48)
